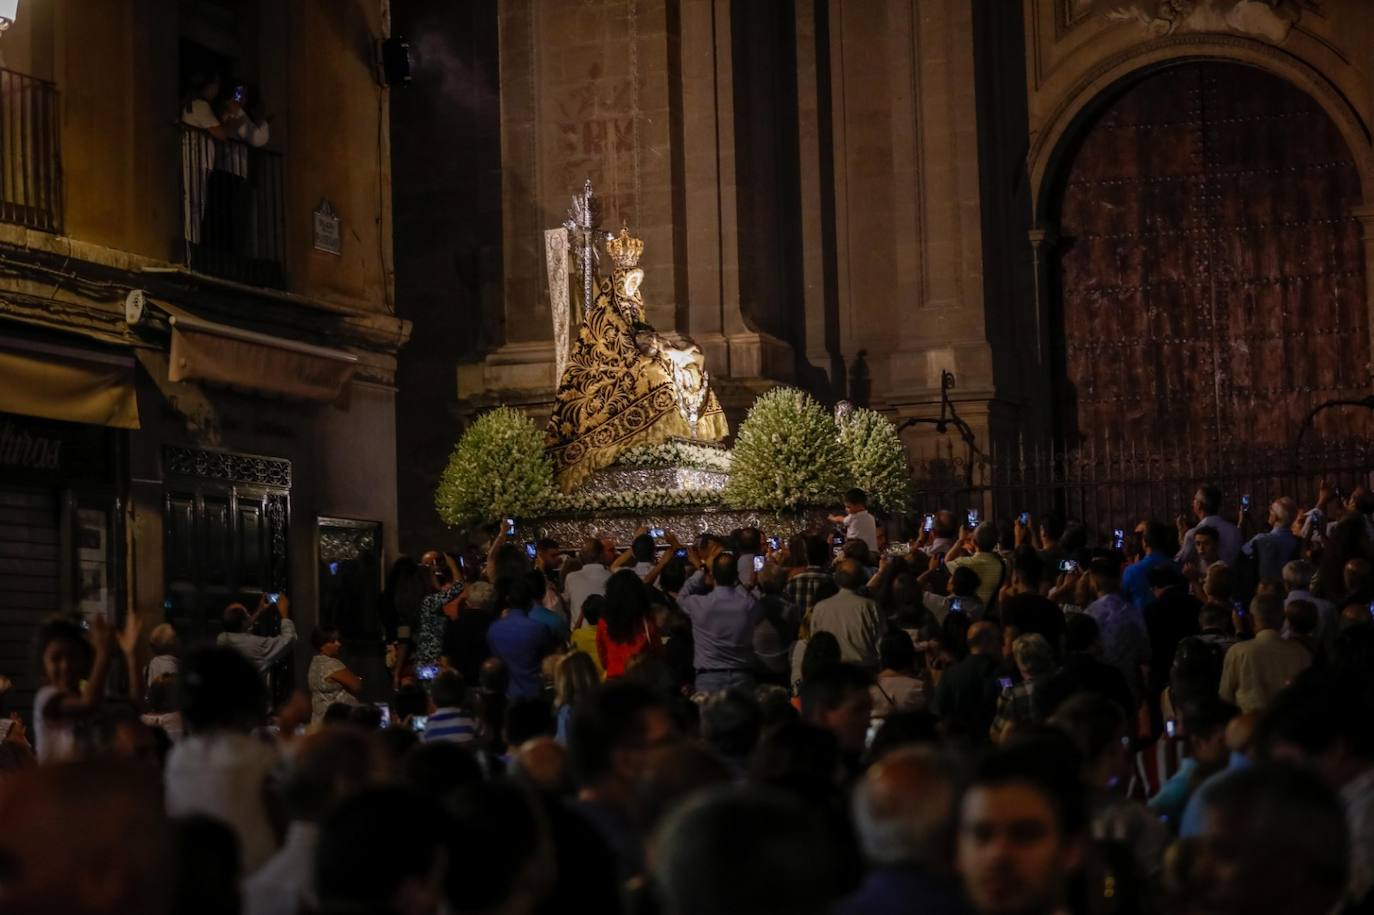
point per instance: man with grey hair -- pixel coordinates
(1276, 546)
(588, 580)
(854, 620)
(1256, 670)
(904, 812)
(982, 559)
(1297, 582)
(1024, 704)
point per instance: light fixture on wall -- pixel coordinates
(9, 11)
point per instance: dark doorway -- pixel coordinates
(1210, 273)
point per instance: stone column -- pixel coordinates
(1365, 214)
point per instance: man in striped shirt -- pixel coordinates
(450, 719)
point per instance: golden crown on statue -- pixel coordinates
(624, 249)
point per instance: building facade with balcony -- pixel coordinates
(197, 330)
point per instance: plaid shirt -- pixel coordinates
(1016, 707)
(802, 589)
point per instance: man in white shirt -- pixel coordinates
(323, 769)
(858, 523)
(1206, 504)
(262, 650)
(588, 580)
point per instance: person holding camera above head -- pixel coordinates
(262, 650)
(420, 641)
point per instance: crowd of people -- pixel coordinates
(987, 718)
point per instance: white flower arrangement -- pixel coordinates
(676, 454)
(877, 461)
(497, 469)
(787, 455)
(633, 500)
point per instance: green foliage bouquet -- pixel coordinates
(877, 461)
(497, 469)
(787, 454)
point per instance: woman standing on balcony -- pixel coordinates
(198, 150)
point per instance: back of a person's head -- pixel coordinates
(1297, 574)
(499, 856)
(1210, 496)
(1164, 575)
(896, 651)
(1028, 566)
(797, 757)
(822, 650)
(904, 810)
(593, 608)
(1267, 609)
(985, 537)
(849, 574)
(1094, 723)
(1158, 536)
(966, 581)
(1081, 633)
(574, 677)
(1214, 615)
(901, 730)
(448, 690)
(538, 584)
(1315, 714)
(163, 638)
(1204, 717)
(409, 700)
(857, 497)
(375, 843)
(817, 550)
(744, 850)
(235, 618)
(493, 676)
(627, 602)
(642, 547)
(772, 579)
(220, 688)
(674, 773)
(612, 717)
(1302, 617)
(1106, 574)
(674, 575)
(731, 723)
(751, 540)
(1048, 765)
(337, 713)
(1220, 583)
(327, 766)
(1033, 654)
(857, 550)
(725, 570)
(438, 767)
(514, 592)
(1283, 822)
(831, 686)
(590, 553)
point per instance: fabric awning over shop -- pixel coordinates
(67, 383)
(220, 354)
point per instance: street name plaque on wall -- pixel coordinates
(327, 236)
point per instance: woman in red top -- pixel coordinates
(626, 628)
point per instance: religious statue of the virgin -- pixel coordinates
(626, 384)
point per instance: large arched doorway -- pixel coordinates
(1210, 274)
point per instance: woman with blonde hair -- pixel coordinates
(574, 678)
(163, 641)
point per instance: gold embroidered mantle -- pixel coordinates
(618, 389)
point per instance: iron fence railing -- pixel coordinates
(30, 154)
(1115, 483)
(233, 209)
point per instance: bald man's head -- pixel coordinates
(849, 574)
(904, 811)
